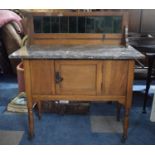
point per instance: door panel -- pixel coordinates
(42, 77)
(115, 76)
(79, 77)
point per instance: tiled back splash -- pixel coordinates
(77, 24)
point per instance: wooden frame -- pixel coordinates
(77, 38)
(125, 99)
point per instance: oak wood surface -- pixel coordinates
(83, 80)
(70, 13)
(75, 42)
(130, 83)
(106, 79)
(77, 36)
(115, 76)
(79, 77)
(27, 76)
(120, 99)
(42, 77)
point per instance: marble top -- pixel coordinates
(76, 52)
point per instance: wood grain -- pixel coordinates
(80, 98)
(79, 77)
(130, 83)
(70, 13)
(77, 36)
(115, 76)
(83, 80)
(42, 77)
(75, 42)
(27, 76)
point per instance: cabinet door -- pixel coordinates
(77, 77)
(115, 76)
(42, 77)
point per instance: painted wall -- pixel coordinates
(142, 21)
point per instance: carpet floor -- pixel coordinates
(99, 126)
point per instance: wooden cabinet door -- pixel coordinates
(42, 77)
(114, 78)
(77, 77)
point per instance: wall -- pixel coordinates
(142, 21)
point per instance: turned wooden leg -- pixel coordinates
(118, 108)
(125, 124)
(29, 98)
(39, 110)
(30, 122)
(128, 100)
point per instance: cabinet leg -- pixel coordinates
(31, 123)
(125, 124)
(118, 109)
(39, 109)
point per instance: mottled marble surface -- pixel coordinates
(77, 52)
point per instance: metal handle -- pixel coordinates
(58, 77)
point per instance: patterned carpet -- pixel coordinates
(97, 127)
